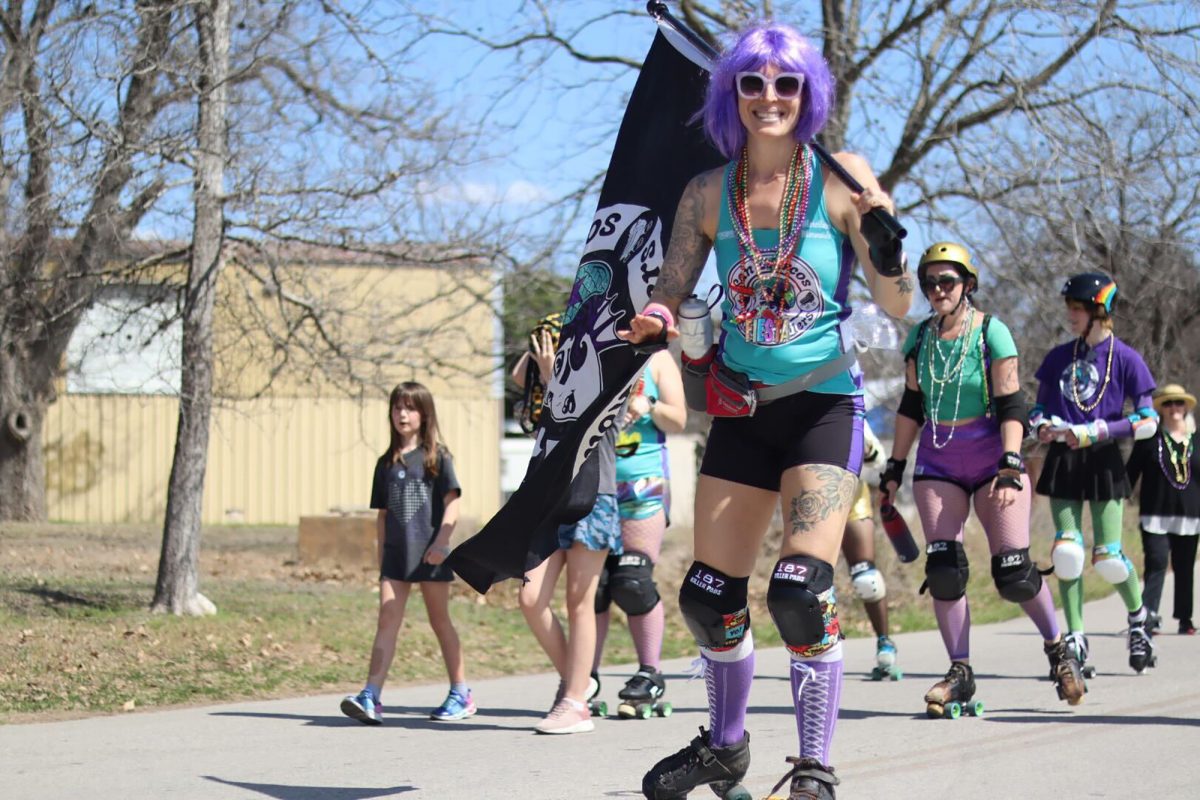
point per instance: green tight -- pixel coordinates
(1106, 526)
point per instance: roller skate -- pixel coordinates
(885, 660)
(811, 780)
(1153, 623)
(597, 708)
(1141, 648)
(640, 697)
(951, 696)
(1077, 643)
(1066, 672)
(722, 768)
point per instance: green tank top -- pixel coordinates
(965, 395)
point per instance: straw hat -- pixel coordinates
(1173, 391)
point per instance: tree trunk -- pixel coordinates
(22, 465)
(177, 590)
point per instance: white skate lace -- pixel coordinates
(697, 669)
(815, 704)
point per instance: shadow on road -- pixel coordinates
(394, 720)
(282, 792)
(1101, 720)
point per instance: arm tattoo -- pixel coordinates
(689, 245)
(834, 492)
(1005, 379)
(904, 284)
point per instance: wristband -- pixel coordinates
(660, 313)
(1012, 461)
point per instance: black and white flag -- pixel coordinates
(657, 152)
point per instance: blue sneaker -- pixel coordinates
(454, 707)
(363, 707)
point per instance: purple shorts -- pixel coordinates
(970, 460)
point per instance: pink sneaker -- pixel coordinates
(567, 716)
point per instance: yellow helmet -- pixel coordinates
(948, 253)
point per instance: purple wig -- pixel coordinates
(755, 48)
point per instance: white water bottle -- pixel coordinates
(695, 327)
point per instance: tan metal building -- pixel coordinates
(296, 428)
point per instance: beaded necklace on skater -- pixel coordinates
(793, 210)
(952, 371)
(1181, 460)
(1075, 378)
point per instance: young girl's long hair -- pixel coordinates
(414, 395)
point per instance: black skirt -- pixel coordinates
(1089, 473)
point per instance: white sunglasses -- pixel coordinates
(753, 85)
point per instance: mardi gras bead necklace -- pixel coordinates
(953, 363)
(768, 268)
(1181, 460)
(1075, 377)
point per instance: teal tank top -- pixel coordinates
(807, 332)
(649, 460)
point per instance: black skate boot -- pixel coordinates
(1141, 648)
(640, 699)
(697, 764)
(951, 696)
(811, 780)
(1066, 672)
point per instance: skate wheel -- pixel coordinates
(876, 674)
(975, 708)
(897, 674)
(645, 711)
(664, 709)
(626, 711)
(598, 709)
(1089, 672)
(737, 792)
(935, 710)
(954, 710)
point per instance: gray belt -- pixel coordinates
(768, 394)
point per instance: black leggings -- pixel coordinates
(1182, 550)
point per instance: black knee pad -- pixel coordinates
(1016, 576)
(946, 570)
(603, 596)
(631, 583)
(714, 606)
(793, 598)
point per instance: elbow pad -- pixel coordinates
(912, 405)
(1012, 407)
(1144, 422)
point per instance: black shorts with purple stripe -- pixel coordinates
(804, 428)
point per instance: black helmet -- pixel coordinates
(1091, 287)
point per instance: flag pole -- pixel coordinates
(662, 14)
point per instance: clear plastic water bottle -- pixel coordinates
(695, 327)
(871, 327)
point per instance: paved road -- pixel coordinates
(1135, 736)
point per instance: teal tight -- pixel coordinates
(1106, 525)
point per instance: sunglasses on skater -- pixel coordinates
(753, 85)
(1166, 403)
(944, 282)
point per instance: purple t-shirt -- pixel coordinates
(1130, 379)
